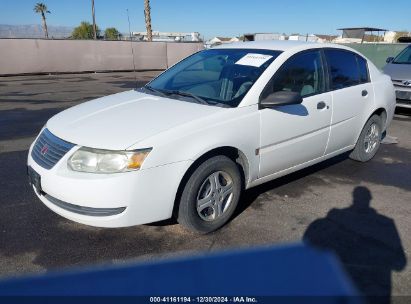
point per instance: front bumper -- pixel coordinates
(403, 94)
(133, 198)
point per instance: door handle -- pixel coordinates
(321, 105)
(364, 93)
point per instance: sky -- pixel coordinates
(225, 18)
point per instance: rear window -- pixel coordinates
(346, 69)
(363, 68)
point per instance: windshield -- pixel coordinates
(216, 76)
(404, 57)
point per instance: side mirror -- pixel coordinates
(281, 98)
(389, 59)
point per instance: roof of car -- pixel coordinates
(278, 45)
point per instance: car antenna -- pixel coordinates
(132, 49)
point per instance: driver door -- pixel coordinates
(295, 134)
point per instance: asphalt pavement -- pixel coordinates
(360, 211)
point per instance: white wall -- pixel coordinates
(19, 56)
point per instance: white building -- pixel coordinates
(389, 37)
(168, 36)
(308, 38)
(220, 40)
(264, 36)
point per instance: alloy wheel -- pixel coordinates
(215, 196)
(371, 138)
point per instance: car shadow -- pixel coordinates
(298, 110)
(386, 168)
(250, 196)
(367, 243)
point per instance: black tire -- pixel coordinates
(201, 221)
(360, 152)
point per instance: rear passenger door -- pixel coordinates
(353, 97)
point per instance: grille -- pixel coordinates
(400, 83)
(49, 149)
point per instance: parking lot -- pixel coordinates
(371, 231)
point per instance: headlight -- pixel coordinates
(105, 161)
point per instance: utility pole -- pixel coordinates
(94, 20)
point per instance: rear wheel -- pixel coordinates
(369, 140)
(210, 195)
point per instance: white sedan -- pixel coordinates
(218, 122)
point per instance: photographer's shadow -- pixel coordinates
(366, 242)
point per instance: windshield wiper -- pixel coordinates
(147, 87)
(187, 94)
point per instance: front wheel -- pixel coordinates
(369, 140)
(210, 195)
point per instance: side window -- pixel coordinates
(302, 73)
(343, 68)
(363, 68)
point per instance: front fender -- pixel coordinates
(236, 127)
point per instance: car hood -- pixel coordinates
(398, 71)
(118, 121)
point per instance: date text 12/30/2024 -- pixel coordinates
(203, 300)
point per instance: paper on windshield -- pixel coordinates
(255, 60)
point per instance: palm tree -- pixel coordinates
(94, 20)
(41, 8)
(148, 20)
